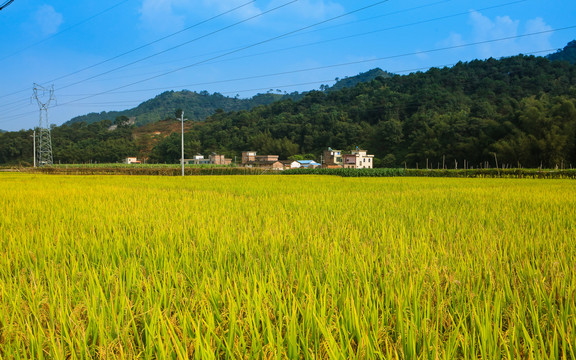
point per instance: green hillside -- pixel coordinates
(566, 54)
(519, 111)
(350, 82)
(197, 106)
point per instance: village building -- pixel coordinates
(197, 160)
(307, 164)
(277, 165)
(332, 158)
(287, 164)
(358, 159)
(248, 157)
(213, 159)
(132, 160)
(216, 159)
(251, 159)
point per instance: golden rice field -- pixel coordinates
(297, 267)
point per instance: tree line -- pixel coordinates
(520, 111)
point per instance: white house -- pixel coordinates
(358, 159)
(131, 160)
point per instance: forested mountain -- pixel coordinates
(520, 110)
(197, 106)
(566, 54)
(350, 82)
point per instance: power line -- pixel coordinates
(344, 64)
(6, 4)
(285, 73)
(65, 30)
(351, 36)
(381, 16)
(179, 45)
(285, 49)
(234, 51)
(369, 32)
(225, 54)
(17, 116)
(172, 35)
(140, 47)
(302, 70)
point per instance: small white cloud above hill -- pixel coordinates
(163, 15)
(484, 29)
(48, 20)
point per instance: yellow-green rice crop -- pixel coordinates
(286, 267)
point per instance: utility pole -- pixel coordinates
(182, 160)
(182, 145)
(44, 97)
(34, 142)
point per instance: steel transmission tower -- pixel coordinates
(43, 97)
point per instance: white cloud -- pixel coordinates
(454, 39)
(48, 20)
(170, 15)
(537, 42)
(485, 29)
(226, 5)
(161, 15)
(300, 10)
(318, 9)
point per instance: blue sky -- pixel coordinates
(114, 54)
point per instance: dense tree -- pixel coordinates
(566, 54)
(520, 110)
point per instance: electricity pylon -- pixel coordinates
(43, 97)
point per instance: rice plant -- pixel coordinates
(296, 267)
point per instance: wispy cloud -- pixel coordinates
(173, 14)
(317, 9)
(454, 39)
(161, 15)
(484, 28)
(48, 20)
(225, 5)
(540, 42)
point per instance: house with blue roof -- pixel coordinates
(311, 164)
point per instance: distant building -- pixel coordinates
(277, 165)
(250, 159)
(267, 158)
(197, 160)
(293, 165)
(132, 160)
(308, 164)
(358, 159)
(287, 164)
(248, 156)
(213, 159)
(216, 159)
(333, 158)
